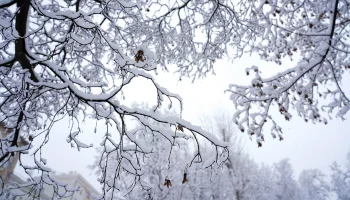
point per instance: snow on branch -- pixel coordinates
(302, 87)
(73, 60)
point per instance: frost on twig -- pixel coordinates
(73, 60)
(128, 164)
(319, 38)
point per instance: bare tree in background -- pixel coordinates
(219, 123)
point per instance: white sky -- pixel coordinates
(307, 145)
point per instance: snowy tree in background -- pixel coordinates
(313, 185)
(341, 180)
(262, 184)
(286, 186)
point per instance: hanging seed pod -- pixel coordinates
(185, 178)
(167, 183)
(139, 56)
(180, 128)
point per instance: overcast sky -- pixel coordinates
(307, 145)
